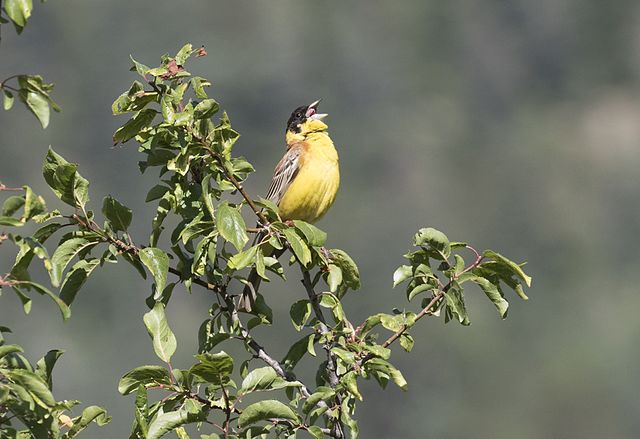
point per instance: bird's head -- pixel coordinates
(305, 120)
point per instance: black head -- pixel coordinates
(298, 117)
(301, 114)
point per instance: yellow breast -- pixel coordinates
(314, 189)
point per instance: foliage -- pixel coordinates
(179, 130)
(28, 407)
(26, 396)
(31, 90)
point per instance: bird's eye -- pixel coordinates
(298, 114)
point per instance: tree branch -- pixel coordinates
(434, 301)
(263, 219)
(338, 428)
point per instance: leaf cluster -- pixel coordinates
(27, 405)
(33, 92)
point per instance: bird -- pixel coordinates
(305, 182)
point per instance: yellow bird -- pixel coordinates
(305, 182)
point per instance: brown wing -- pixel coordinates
(285, 173)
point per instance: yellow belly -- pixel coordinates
(313, 190)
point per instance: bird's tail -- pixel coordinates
(250, 292)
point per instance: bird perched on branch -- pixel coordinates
(305, 181)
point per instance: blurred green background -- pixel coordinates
(512, 124)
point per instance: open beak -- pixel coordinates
(312, 111)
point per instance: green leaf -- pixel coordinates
(316, 432)
(434, 239)
(9, 349)
(406, 341)
(347, 357)
(64, 309)
(63, 178)
(63, 255)
(350, 274)
(296, 352)
(508, 263)
(383, 366)
(455, 303)
(75, 279)
(10, 221)
(157, 262)
(183, 54)
(197, 228)
(231, 225)
(260, 264)
(139, 67)
(298, 246)
(146, 376)
(206, 109)
(164, 342)
(44, 366)
(12, 204)
(33, 204)
(350, 383)
(264, 411)
(8, 99)
(207, 197)
(348, 420)
(208, 339)
(243, 259)
(392, 323)
(330, 301)
(493, 293)
(334, 278)
(198, 85)
(166, 422)
(403, 273)
(378, 351)
(90, 414)
(156, 192)
(35, 385)
(314, 235)
(37, 104)
(18, 11)
(213, 368)
(24, 299)
(181, 432)
(168, 111)
(321, 394)
(265, 378)
(300, 313)
(132, 128)
(118, 214)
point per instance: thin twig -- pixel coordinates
(426, 310)
(434, 301)
(3, 187)
(2, 84)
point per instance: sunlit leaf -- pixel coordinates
(264, 411)
(143, 375)
(164, 342)
(157, 262)
(231, 225)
